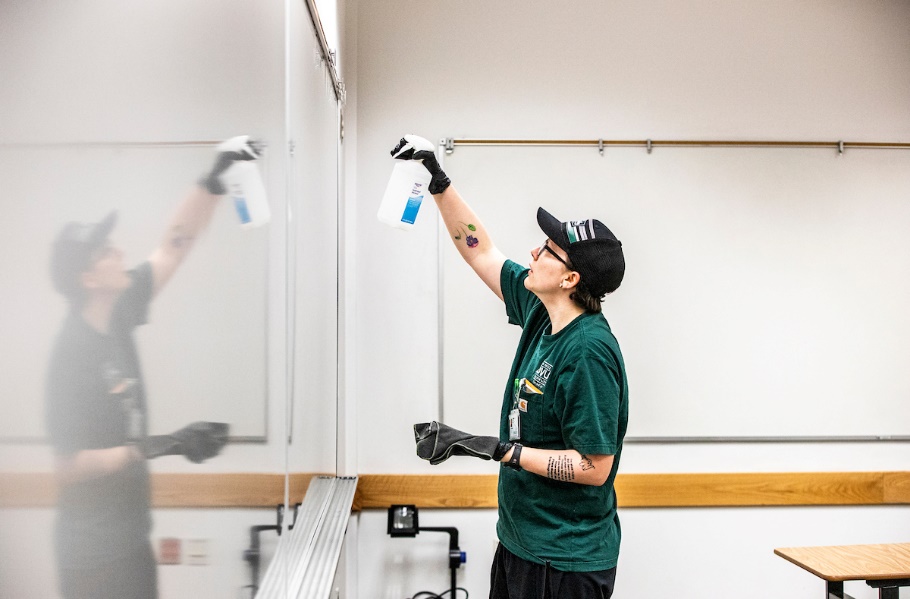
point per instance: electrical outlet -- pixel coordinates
(197, 552)
(169, 551)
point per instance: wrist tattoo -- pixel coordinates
(560, 468)
(586, 463)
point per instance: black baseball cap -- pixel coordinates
(593, 250)
(72, 253)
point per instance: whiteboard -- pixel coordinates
(203, 353)
(766, 289)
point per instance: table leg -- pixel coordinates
(836, 590)
(888, 589)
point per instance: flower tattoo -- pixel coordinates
(469, 239)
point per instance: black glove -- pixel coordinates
(414, 147)
(197, 441)
(437, 442)
(236, 148)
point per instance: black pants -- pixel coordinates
(514, 578)
(133, 576)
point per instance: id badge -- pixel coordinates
(129, 402)
(514, 425)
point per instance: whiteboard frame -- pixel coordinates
(447, 146)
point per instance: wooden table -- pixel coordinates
(885, 567)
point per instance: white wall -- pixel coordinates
(691, 553)
(620, 70)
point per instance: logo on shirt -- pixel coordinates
(111, 374)
(542, 374)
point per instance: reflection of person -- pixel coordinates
(565, 407)
(95, 398)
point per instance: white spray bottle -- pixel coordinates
(407, 188)
(244, 185)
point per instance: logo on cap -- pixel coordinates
(579, 230)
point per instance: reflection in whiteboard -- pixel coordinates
(204, 351)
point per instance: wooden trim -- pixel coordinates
(897, 487)
(378, 491)
(226, 490)
(752, 489)
(459, 491)
(645, 490)
(232, 490)
(27, 489)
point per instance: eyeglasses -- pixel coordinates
(546, 248)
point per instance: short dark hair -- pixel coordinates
(582, 297)
(585, 299)
(73, 252)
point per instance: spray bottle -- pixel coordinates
(407, 188)
(244, 186)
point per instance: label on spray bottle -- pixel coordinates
(410, 210)
(403, 195)
(247, 192)
(234, 178)
(242, 210)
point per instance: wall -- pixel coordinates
(699, 70)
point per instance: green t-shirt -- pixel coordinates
(583, 406)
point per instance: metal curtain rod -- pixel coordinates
(840, 145)
(327, 53)
(107, 144)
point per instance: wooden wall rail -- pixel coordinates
(658, 490)
(378, 491)
(232, 490)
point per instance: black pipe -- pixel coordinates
(454, 551)
(253, 555)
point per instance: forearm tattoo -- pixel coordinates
(179, 239)
(560, 468)
(586, 463)
(465, 230)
